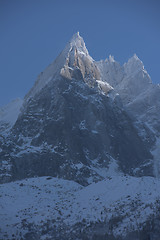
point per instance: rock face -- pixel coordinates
(69, 126)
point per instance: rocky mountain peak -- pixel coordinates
(133, 65)
(73, 62)
(78, 43)
(111, 59)
(78, 64)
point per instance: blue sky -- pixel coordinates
(33, 33)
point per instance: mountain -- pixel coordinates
(83, 126)
(68, 120)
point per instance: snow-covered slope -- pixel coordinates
(9, 114)
(38, 208)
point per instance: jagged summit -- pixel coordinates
(133, 65)
(111, 58)
(136, 59)
(78, 42)
(78, 63)
(75, 36)
(73, 62)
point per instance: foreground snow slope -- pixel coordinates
(45, 200)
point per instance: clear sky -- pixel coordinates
(33, 33)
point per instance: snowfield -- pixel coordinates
(130, 201)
